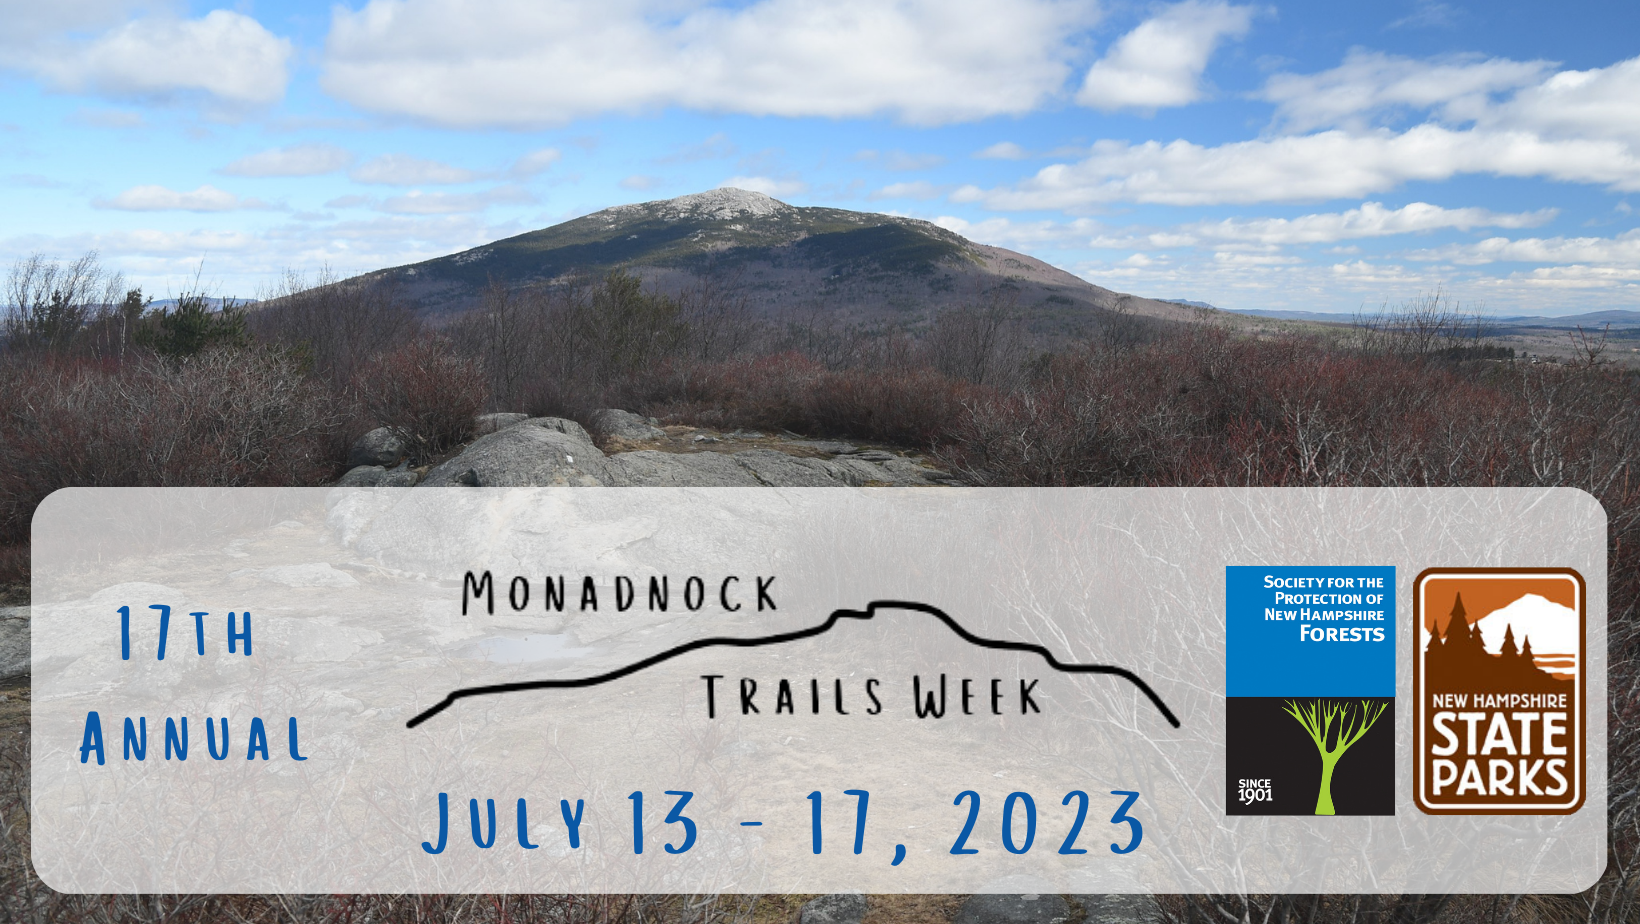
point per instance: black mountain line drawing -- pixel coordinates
(837, 615)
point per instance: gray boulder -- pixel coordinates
(14, 643)
(380, 446)
(625, 425)
(830, 447)
(362, 476)
(375, 476)
(775, 468)
(884, 468)
(1119, 909)
(758, 467)
(525, 456)
(837, 908)
(1014, 909)
(567, 427)
(649, 468)
(485, 424)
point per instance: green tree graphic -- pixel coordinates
(1318, 717)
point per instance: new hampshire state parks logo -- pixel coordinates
(1498, 685)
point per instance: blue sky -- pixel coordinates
(1317, 156)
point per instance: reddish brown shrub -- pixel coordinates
(240, 418)
(906, 405)
(425, 392)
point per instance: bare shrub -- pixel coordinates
(573, 346)
(425, 392)
(335, 326)
(1422, 326)
(221, 418)
(717, 315)
(1587, 346)
(908, 405)
(911, 407)
(48, 304)
(983, 342)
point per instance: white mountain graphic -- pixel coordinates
(1552, 628)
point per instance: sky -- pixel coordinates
(1301, 156)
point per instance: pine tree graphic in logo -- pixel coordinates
(1354, 719)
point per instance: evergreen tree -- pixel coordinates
(192, 327)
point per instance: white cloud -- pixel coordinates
(1580, 277)
(1597, 103)
(242, 262)
(1161, 62)
(404, 170)
(535, 62)
(29, 22)
(1572, 126)
(1003, 232)
(768, 186)
(917, 189)
(417, 202)
(640, 182)
(715, 147)
(225, 54)
(1369, 87)
(109, 118)
(1622, 250)
(538, 161)
(1372, 219)
(161, 199)
(1429, 16)
(296, 160)
(1327, 165)
(1235, 258)
(1368, 83)
(1003, 150)
(900, 160)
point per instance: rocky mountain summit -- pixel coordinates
(783, 258)
(519, 451)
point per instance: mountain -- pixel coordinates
(1551, 627)
(786, 259)
(1279, 314)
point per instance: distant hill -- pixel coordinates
(854, 265)
(213, 303)
(1593, 320)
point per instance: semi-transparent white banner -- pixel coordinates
(813, 690)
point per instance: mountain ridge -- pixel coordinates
(786, 258)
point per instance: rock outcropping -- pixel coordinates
(552, 451)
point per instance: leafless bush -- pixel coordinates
(1422, 326)
(573, 344)
(220, 418)
(1587, 347)
(425, 392)
(717, 315)
(48, 304)
(817, 332)
(336, 326)
(983, 342)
